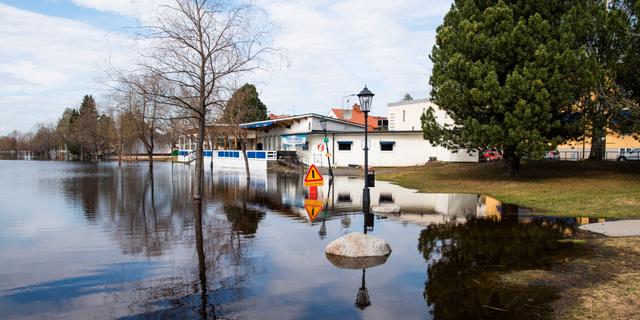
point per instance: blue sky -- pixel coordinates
(55, 51)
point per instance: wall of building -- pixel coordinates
(614, 142)
(409, 149)
(580, 150)
(405, 115)
(271, 137)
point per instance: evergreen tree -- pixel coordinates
(628, 121)
(407, 97)
(86, 127)
(507, 73)
(606, 34)
(245, 106)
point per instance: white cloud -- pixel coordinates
(334, 48)
(47, 63)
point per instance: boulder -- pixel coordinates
(343, 262)
(358, 245)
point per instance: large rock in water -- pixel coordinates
(358, 245)
(343, 262)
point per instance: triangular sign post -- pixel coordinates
(313, 178)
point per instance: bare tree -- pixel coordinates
(200, 48)
(139, 98)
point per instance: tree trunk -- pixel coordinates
(511, 162)
(597, 144)
(246, 161)
(150, 151)
(150, 157)
(210, 147)
(119, 154)
(198, 185)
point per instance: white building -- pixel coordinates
(406, 116)
(402, 145)
(303, 137)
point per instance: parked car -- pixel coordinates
(490, 155)
(629, 154)
(552, 155)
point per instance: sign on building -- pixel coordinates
(294, 140)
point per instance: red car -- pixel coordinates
(490, 155)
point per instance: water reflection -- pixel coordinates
(465, 261)
(362, 299)
(102, 241)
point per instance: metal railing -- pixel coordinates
(579, 156)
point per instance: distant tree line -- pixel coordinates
(86, 134)
(525, 76)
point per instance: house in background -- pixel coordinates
(356, 115)
(406, 116)
(615, 145)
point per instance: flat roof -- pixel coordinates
(408, 102)
(268, 123)
(370, 132)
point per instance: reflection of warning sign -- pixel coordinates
(313, 177)
(313, 207)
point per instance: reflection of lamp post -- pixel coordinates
(362, 299)
(366, 97)
(323, 124)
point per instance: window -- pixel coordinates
(256, 155)
(305, 146)
(344, 145)
(387, 145)
(385, 198)
(404, 115)
(344, 197)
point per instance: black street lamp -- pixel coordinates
(366, 97)
(323, 124)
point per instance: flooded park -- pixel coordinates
(102, 241)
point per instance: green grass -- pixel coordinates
(588, 189)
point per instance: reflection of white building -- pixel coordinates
(347, 195)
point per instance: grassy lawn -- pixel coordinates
(588, 189)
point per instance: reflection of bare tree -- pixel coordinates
(202, 265)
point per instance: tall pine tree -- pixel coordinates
(507, 73)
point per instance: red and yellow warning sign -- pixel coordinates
(313, 177)
(313, 208)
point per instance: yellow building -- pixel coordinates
(615, 145)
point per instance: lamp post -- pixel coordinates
(323, 124)
(366, 97)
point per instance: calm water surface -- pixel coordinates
(80, 241)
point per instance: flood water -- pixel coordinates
(85, 241)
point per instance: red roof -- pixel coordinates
(277, 116)
(356, 115)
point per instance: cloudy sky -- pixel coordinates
(52, 52)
